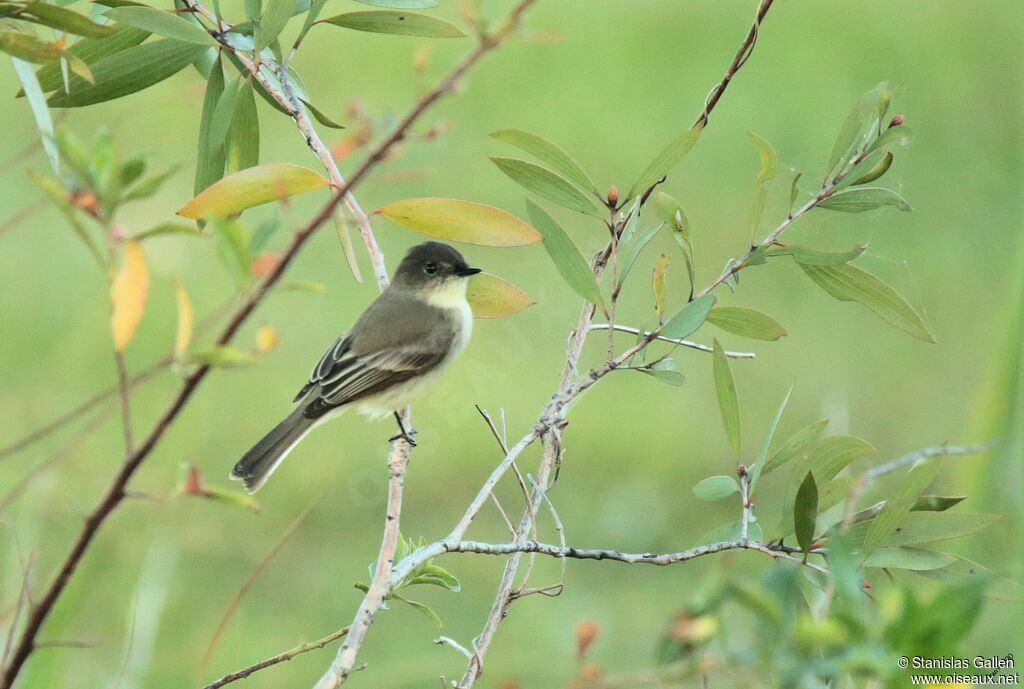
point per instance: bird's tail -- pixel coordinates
(256, 466)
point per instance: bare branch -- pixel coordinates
(279, 658)
(657, 559)
(926, 453)
(683, 343)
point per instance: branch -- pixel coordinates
(279, 658)
(659, 560)
(926, 453)
(685, 343)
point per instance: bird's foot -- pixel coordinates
(406, 435)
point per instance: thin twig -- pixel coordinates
(684, 343)
(657, 559)
(124, 395)
(279, 658)
(926, 453)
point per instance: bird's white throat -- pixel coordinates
(452, 295)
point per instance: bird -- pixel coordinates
(399, 345)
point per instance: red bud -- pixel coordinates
(896, 121)
(613, 197)
(741, 470)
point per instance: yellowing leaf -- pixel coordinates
(658, 286)
(460, 221)
(492, 297)
(252, 187)
(128, 295)
(185, 317)
(266, 339)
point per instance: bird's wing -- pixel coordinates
(334, 355)
(356, 376)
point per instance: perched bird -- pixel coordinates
(399, 345)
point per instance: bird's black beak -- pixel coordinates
(466, 271)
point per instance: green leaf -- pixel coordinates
(275, 17)
(306, 286)
(91, 51)
(545, 183)
(926, 527)
(161, 23)
(548, 153)
(859, 199)
(745, 322)
(420, 607)
(671, 211)
(631, 251)
(211, 156)
(401, 4)
(900, 135)
(758, 466)
(877, 170)
(936, 503)
(688, 319)
(769, 162)
(834, 453)
(665, 161)
(665, 376)
(252, 187)
(224, 112)
(165, 229)
(460, 221)
(491, 297)
(566, 256)
(399, 23)
(859, 126)
(229, 497)
(795, 444)
(41, 114)
(28, 48)
(805, 512)
(849, 283)
(243, 142)
(129, 71)
(437, 576)
(899, 505)
(716, 487)
(917, 559)
(728, 401)
(816, 257)
(62, 18)
(223, 357)
(320, 116)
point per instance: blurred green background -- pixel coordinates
(611, 82)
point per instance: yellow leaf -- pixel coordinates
(460, 221)
(252, 187)
(128, 295)
(658, 286)
(184, 336)
(266, 339)
(491, 297)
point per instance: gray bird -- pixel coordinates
(397, 347)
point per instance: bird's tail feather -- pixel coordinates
(256, 466)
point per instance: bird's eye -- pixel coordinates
(430, 268)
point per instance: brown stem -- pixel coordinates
(279, 658)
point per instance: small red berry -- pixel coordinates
(896, 121)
